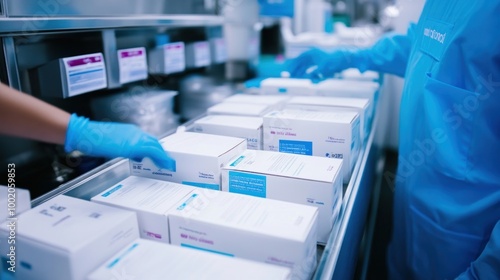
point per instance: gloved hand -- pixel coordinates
(316, 64)
(108, 139)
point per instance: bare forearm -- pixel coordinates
(26, 116)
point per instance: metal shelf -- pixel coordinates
(32, 25)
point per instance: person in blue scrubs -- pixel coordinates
(447, 197)
(25, 116)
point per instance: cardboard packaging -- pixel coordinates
(287, 86)
(144, 259)
(242, 226)
(315, 133)
(322, 103)
(198, 159)
(13, 202)
(249, 128)
(67, 238)
(308, 180)
(239, 109)
(150, 199)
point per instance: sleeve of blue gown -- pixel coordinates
(487, 265)
(389, 54)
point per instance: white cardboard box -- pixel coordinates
(315, 133)
(150, 199)
(288, 86)
(67, 238)
(276, 102)
(239, 109)
(13, 201)
(144, 259)
(167, 59)
(350, 88)
(308, 180)
(198, 158)
(323, 103)
(253, 228)
(249, 128)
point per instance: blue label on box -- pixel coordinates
(296, 147)
(246, 183)
(108, 193)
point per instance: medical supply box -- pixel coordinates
(239, 109)
(70, 76)
(198, 159)
(249, 128)
(242, 226)
(66, 238)
(322, 103)
(150, 199)
(308, 180)
(315, 133)
(144, 259)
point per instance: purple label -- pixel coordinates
(83, 61)
(154, 235)
(125, 54)
(173, 46)
(183, 235)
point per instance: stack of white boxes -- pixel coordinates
(66, 238)
(307, 180)
(220, 222)
(315, 133)
(198, 159)
(144, 259)
(249, 128)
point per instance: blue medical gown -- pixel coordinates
(447, 198)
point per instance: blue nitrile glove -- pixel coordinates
(316, 64)
(108, 139)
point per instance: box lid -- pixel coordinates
(154, 260)
(200, 144)
(144, 194)
(232, 121)
(331, 101)
(257, 99)
(239, 109)
(286, 82)
(67, 223)
(317, 116)
(252, 214)
(311, 168)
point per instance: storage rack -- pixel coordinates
(337, 259)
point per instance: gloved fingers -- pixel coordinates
(151, 148)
